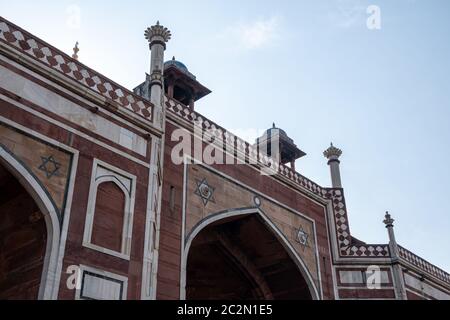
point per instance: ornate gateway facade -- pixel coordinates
(107, 193)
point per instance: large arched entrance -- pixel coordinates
(29, 234)
(241, 258)
(23, 240)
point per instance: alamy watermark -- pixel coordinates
(74, 279)
(374, 20)
(217, 146)
(373, 277)
(73, 17)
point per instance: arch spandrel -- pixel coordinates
(226, 195)
(48, 164)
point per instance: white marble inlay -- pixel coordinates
(99, 288)
(126, 138)
(351, 276)
(427, 289)
(99, 284)
(70, 111)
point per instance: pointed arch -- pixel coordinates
(52, 221)
(104, 173)
(301, 266)
(109, 209)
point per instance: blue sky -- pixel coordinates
(318, 72)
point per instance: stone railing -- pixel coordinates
(302, 181)
(55, 59)
(423, 265)
(346, 247)
(242, 146)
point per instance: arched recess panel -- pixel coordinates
(41, 210)
(210, 194)
(48, 164)
(107, 227)
(109, 217)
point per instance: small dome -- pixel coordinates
(177, 64)
(269, 131)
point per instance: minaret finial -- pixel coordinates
(158, 34)
(333, 154)
(75, 51)
(388, 221)
(274, 126)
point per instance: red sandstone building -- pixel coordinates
(93, 205)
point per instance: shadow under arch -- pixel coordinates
(52, 222)
(237, 213)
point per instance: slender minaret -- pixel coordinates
(153, 90)
(157, 37)
(333, 154)
(396, 268)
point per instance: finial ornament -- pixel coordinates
(273, 126)
(75, 51)
(332, 153)
(388, 221)
(157, 33)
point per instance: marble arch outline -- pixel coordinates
(269, 224)
(33, 187)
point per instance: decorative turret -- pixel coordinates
(333, 154)
(173, 75)
(276, 140)
(157, 37)
(182, 85)
(152, 88)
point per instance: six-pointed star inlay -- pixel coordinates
(302, 237)
(50, 166)
(205, 191)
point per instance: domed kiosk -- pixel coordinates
(182, 85)
(179, 84)
(287, 149)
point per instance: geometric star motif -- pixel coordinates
(302, 237)
(205, 191)
(49, 166)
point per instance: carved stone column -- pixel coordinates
(333, 154)
(399, 284)
(157, 37)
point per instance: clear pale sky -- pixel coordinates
(316, 70)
